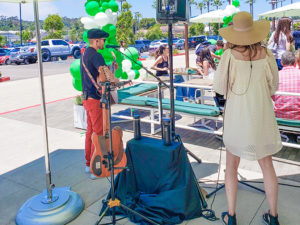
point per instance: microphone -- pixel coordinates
(113, 46)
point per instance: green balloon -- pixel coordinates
(118, 73)
(113, 5)
(236, 3)
(112, 30)
(85, 39)
(137, 66)
(225, 25)
(132, 53)
(92, 8)
(124, 76)
(212, 41)
(77, 84)
(105, 5)
(226, 19)
(137, 74)
(75, 69)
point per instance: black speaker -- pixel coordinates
(171, 11)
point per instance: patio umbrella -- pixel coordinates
(54, 206)
(210, 17)
(288, 10)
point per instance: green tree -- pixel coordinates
(146, 23)
(154, 33)
(54, 25)
(139, 35)
(26, 35)
(196, 29)
(77, 31)
(201, 6)
(251, 2)
(217, 3)
(124, 25)
(215, 28)
(2, 40)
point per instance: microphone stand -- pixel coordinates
(160, 84)
(171, 88)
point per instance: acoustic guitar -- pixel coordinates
(99, 163)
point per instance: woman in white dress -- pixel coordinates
(247, 76)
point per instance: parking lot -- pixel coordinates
(17, 72)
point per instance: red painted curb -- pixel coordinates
(2, 79)
(141, 59)
(28, 107)
(179, 54)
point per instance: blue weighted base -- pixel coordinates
(66, 205)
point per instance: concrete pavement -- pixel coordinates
(22, 172)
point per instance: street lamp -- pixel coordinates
(53, 206)
(121, 3)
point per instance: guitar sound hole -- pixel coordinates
(96, 167)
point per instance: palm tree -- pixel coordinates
(207, 2)
(229, 2)
(251, 2)
(201, 6)
(217, 3)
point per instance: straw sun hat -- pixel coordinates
(244, 30)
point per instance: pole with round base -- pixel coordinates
(55, 206)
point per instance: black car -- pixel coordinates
(26, 55)
(195, 40)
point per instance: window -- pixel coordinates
(44, 43)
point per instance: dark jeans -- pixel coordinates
(278, 61)
(181, 92)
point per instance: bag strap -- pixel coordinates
(90, 75)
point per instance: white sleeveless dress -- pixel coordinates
(250, 127)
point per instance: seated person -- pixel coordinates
(161, 64)
(123, 46)
(288, 107)
(219, 48)
(206, 62)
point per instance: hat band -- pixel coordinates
(242, 29)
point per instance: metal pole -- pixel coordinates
(186, 45)
(172, 111)
(49, 185)
(20, 23)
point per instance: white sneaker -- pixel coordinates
(87, 169)
(93, 177)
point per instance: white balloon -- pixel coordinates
(114, 18)
(108, 12)
(131, 75)
(88, 23)
(101, 19)
(231, 9)
(126, 65)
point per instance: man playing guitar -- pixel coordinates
(91, 66)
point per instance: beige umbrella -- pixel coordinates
(210, 17)
(54, 206)
(288, 10)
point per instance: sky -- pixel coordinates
(75, 8)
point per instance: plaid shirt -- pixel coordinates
(288, 107)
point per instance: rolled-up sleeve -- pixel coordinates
(221, 75)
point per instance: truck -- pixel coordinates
(59, 48)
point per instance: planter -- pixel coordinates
(80, 118)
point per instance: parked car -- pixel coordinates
(179, 44)
(59, 48)
(215, 37)
(154, 45)
(195, 40)
(26, 55)
(140, 46)
(4, 56)
(147, 44)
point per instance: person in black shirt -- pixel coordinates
(93, 61)
(161, 64)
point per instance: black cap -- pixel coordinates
(96, 33)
